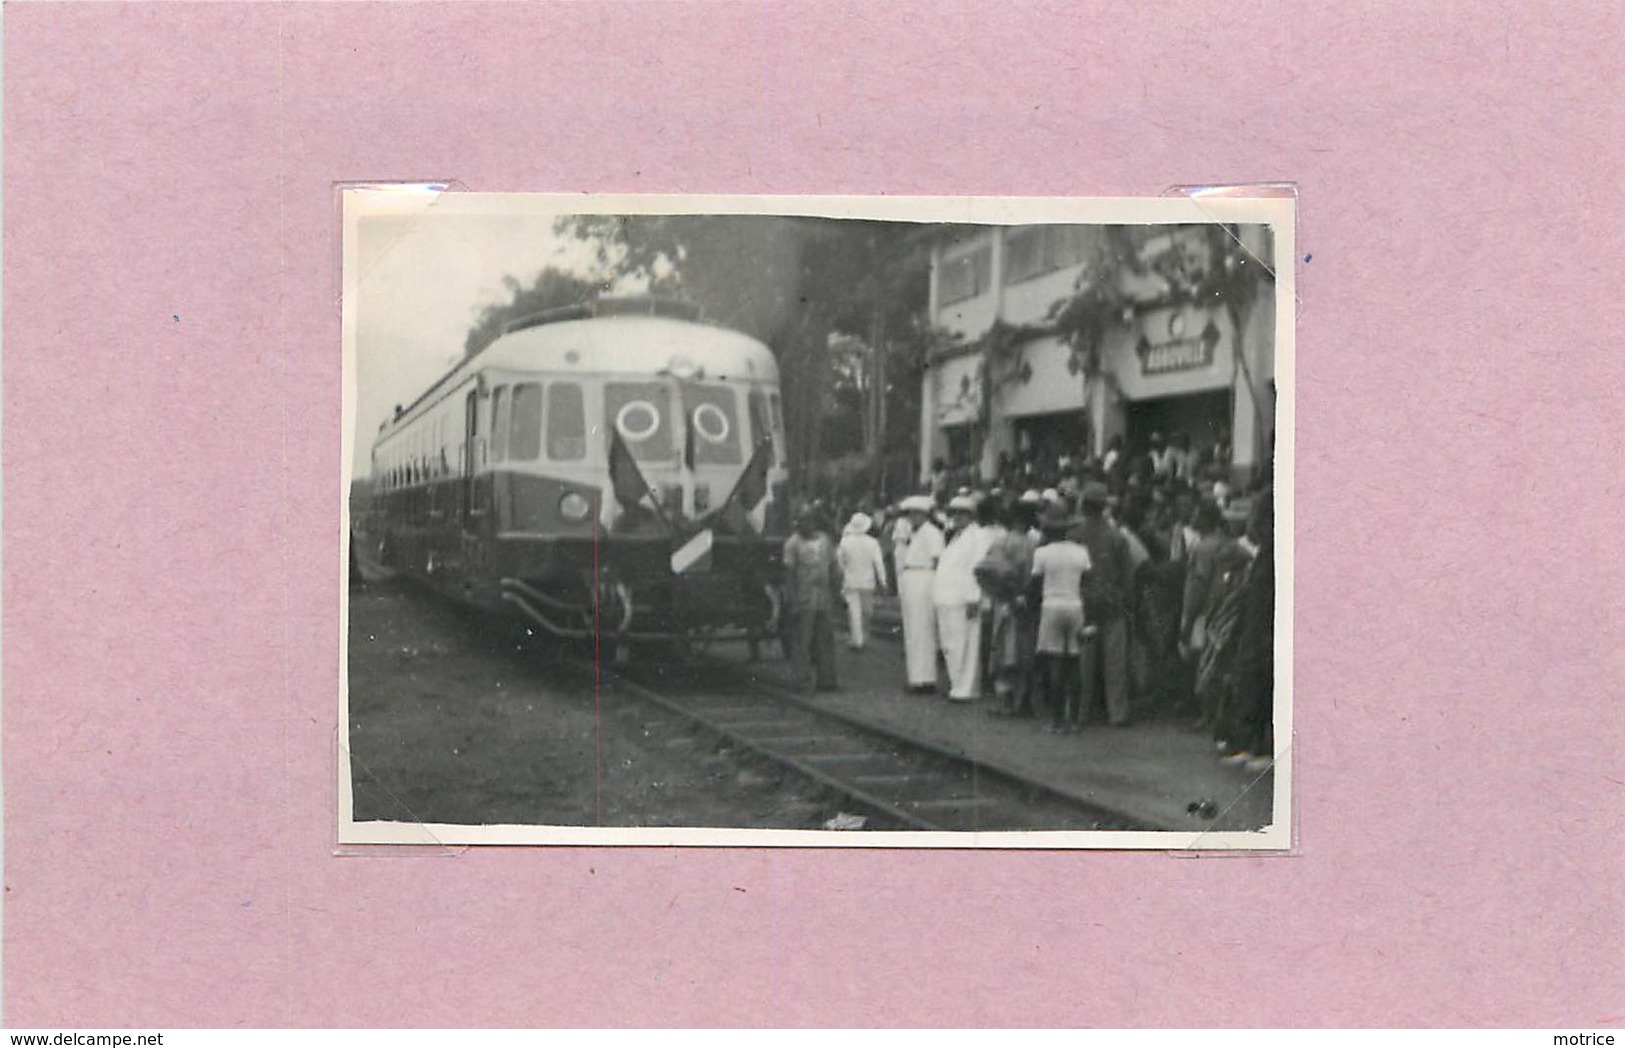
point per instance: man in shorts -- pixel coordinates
(1060, 565)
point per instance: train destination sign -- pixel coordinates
(1183, 354)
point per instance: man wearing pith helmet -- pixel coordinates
(958, 599)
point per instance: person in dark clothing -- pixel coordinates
(1107, 588)
(812, 577)
(1247, 724)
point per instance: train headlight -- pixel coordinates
(574, 506)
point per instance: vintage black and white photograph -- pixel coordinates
(941, 522)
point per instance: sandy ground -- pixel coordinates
(457, 718)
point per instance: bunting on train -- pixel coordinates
(624, 475)
(749, 490)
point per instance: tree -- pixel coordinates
(1146, 266)
(1098, 301)
(551, 289)
(795, 283)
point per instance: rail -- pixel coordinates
(904, 780)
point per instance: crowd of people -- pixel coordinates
(1075, 590)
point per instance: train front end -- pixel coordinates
(652, 508)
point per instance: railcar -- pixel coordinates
(614, 469)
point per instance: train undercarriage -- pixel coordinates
(621, 590)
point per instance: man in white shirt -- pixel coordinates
(916, 578)
(1162, 457)
(1061, 564)
(958, 599)
(897, 541)
(863, 571)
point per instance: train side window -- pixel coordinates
(777, 420)
(566, 422)
(499, 423)
(525, 434)
(761, 423)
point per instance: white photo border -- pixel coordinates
(1208, 204)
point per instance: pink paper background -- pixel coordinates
(171, 449)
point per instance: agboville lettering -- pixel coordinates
(1177, 356)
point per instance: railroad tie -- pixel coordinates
(753, 710)
(835, 758)
(786, 739)
(759, 725)
(978, 801)
(887, 779)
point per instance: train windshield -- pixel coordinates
(641, 414)
(566, 422)
(713, 423)
(525, 438)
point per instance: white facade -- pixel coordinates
(1166, 365)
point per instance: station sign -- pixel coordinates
(1181, 352)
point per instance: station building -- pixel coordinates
(1169, 362)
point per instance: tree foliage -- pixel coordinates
(795, 283)
(1141, 267)
(551, 289)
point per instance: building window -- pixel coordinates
(964, 276)
(566, 422)
(1068, 245)
(961, 445)
(525, 429)
(1037, 250)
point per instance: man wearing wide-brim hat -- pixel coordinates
(863, 571)
(1107, 590)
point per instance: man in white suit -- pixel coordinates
(863, 571)
(958, 599)
(916, 578)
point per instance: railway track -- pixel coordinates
(847, 765)
(896, 781)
